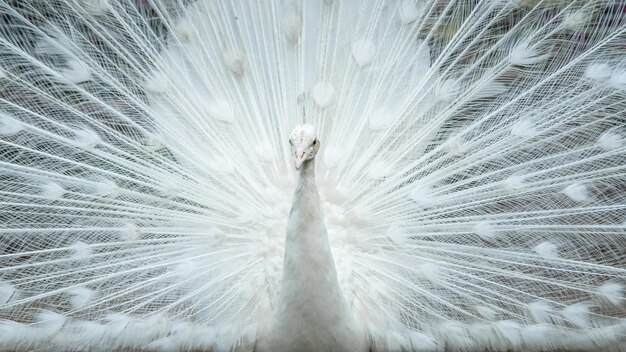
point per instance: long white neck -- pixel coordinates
(311, 313)
(309, 269)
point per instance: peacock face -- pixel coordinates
(304, 143)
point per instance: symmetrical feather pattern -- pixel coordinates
(472, 170)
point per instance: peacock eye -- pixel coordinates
(315, 142)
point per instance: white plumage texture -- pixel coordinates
(472, 170)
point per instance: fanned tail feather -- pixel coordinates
(473, 169)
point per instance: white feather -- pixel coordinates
(49, 323)
(409, 12)
(116, 323)
(379, 169)
(576, 19)
(221, 109)
(610, 140)
(184, 31)
(332, 157)
(157, 82)
(537, 336)
(577, 192)
(166, 344)
(234, 61)
(598, 71)
(221, 165)
(514, 183)
(381, 118)
(455, 145)
(265, 151)
(80, 296)
(107, 188)
(577, 314)
(87, 332)
(323, 93)
(524, 128)
(52, 191)
(618, 79)
(421, 342)
(526, 53)
(9, 125)
(76, 72)
(613, 292)
(486, 312)
(154, 142)
(547, 249)
(485, 230)
(422, 194)
(490, 89)
(430, 271)
(81, 250)
(469, 175)
(293, 26)
(363, 51)
(510, 331)
(86, 139)
(396, 342)
(8, 292)
(12, 333)
(99, 7)
(130, 232)
(540, 311)
(447, 89)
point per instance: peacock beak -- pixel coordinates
(300, 157)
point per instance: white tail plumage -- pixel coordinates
(472, 170)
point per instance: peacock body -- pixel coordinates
(471, 172)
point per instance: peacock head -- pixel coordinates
(304, 143)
